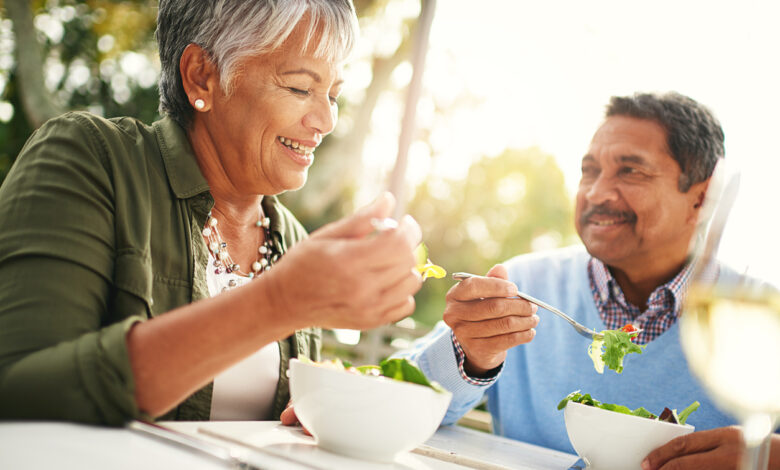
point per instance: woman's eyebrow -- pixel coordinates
(314, 75)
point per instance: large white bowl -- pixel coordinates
(372, 418)
(608, 440)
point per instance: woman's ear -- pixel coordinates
(199, 77)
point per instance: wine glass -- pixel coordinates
(730, 325)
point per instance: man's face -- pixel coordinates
(630, 213)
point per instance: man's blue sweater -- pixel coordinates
(536, 376)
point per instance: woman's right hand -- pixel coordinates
(345, 276)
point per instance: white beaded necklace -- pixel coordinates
(223, 263)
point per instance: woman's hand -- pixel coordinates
(346, 276)
(288, 418)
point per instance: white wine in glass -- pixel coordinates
(731, 320)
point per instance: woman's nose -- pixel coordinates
(322, 117)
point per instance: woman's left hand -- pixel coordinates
(288, 418)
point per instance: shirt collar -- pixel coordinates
(607, 287)
(182, 169)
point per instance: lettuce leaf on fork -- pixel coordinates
(611, 350)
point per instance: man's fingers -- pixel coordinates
(479, 287)
(494, 327)
(720, 458)
(498, 271)
(494, 344)
(487, 309)
(725, 440)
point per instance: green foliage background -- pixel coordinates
(507, 205)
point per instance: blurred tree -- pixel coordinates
(58, 55)
(101, 56)
(509, 204)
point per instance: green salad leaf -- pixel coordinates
(396, 368)
(683, 417)
(611, 350)
(405, 371)
(586, 399)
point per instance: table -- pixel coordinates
(265, 444)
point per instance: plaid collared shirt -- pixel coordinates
(663, 306)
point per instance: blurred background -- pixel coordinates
(511, 94)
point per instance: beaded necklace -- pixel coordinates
(223, 263)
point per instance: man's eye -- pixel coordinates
(298, 91)
(589, 171)
(628, 171)
(333, 99)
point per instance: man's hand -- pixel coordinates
(719, 448)
(485, 322)
(714, 449)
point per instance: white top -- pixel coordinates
(246, 390)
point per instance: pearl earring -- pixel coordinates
(200, 104)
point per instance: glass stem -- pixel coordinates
(757, 432)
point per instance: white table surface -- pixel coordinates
(266, 444)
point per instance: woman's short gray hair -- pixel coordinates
(231, 30)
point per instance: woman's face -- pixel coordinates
(265, 132)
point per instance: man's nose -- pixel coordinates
(602, 190)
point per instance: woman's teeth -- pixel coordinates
(296, 146)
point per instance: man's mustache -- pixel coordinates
(601, 209)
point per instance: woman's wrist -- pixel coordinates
(269, 291)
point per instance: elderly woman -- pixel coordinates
(134, 273)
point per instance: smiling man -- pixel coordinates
(644, 177)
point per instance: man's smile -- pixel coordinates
(605, 217)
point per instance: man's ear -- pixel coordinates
(698, 192)
(199, 77)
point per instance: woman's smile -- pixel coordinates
(297, 151)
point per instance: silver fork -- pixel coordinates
(581, 329)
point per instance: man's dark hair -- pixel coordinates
(693, 135)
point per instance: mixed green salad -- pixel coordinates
(396, 368)
(668, 415)
(614, 346)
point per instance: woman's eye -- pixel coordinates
(298, 91)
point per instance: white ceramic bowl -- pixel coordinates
(608, 440)
(372, 418)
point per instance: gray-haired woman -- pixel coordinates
(118, 236)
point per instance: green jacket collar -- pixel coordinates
(184, 175)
